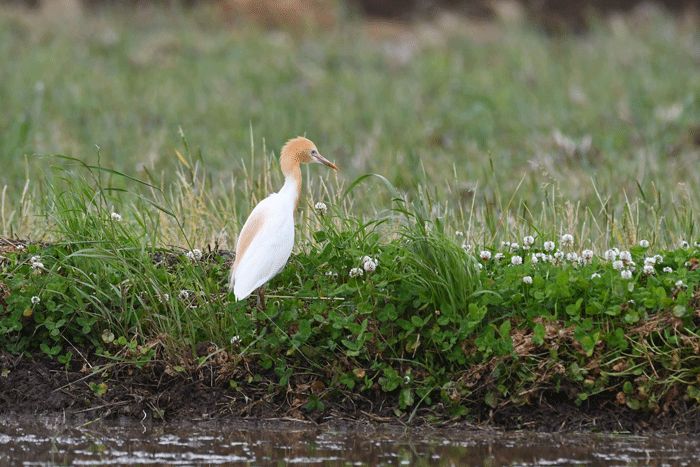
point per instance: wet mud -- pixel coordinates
(107, 390)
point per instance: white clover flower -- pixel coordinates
(329, 273)
(667, 269)
(480, 266)
(369, 265)
(235, 340)
(514, 247)
(355, 272)
(498, 256)
(163, 298)
(116, 217)
(35, 300)
(505, 244)
(658, 258)
(626, 274)
(194, 255)
(696, 244)
(572, 257)
(515, 260)
(626, 257)
(485, 255)
(21, 247)
(527, 280)
(459, 233)
(680, 285)
(567, 240)
(529, 240)
(648, 269)
(595, 275)
(183, 295)
(587, 255)
(618, 265)
(644, 243)
(559, 255)
(35, 259)
(37, 265)
(534, 260)
(321, 208)
(610, 255)
(650, 260)
(467, 247)
(684, 245)
(548, 246)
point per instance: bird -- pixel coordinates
(267, 237)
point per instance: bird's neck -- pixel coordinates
(292, 185)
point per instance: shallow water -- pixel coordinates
(46, 441)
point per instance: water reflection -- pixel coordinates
(45, 441)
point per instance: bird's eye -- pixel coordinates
(314, 152)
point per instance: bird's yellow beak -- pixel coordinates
(322, 160)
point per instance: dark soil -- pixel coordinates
(40, 386)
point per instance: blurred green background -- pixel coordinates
(497, 111)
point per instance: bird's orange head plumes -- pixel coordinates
(300, 150)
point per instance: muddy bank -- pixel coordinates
(99, 388)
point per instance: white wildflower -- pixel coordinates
(572, 257)
(515, 260)
(610, 255)
(618, 265)
(514, 247)
(667, 269)
(321, 208)
(183, 295)
(595, 275)
(534, 260)
(116, 217)
(498, 256)
(529, 240)
(680, 285)
(527, 280)
(369, 265)
(235, 340)
(559, 255)
(354, 272)
(644, 243)
(485, 255)
(649, 260)
(480, 266)
(329, 273)
(648, 269)
(467, 247)
(459, 233)
(194, 255)
(21, 247)
(505, 244)
(626, 274)
(35, 300)
(548, 246)
(567, 240)
(684, 245)
(626, 257)
(35, 259)
(37, 265)
(587, 255)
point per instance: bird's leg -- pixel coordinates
(261, 298)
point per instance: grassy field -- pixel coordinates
(531, 210)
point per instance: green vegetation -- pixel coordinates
(445, 281)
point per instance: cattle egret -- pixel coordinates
(267, 237)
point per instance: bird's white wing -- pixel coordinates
(265, 243)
